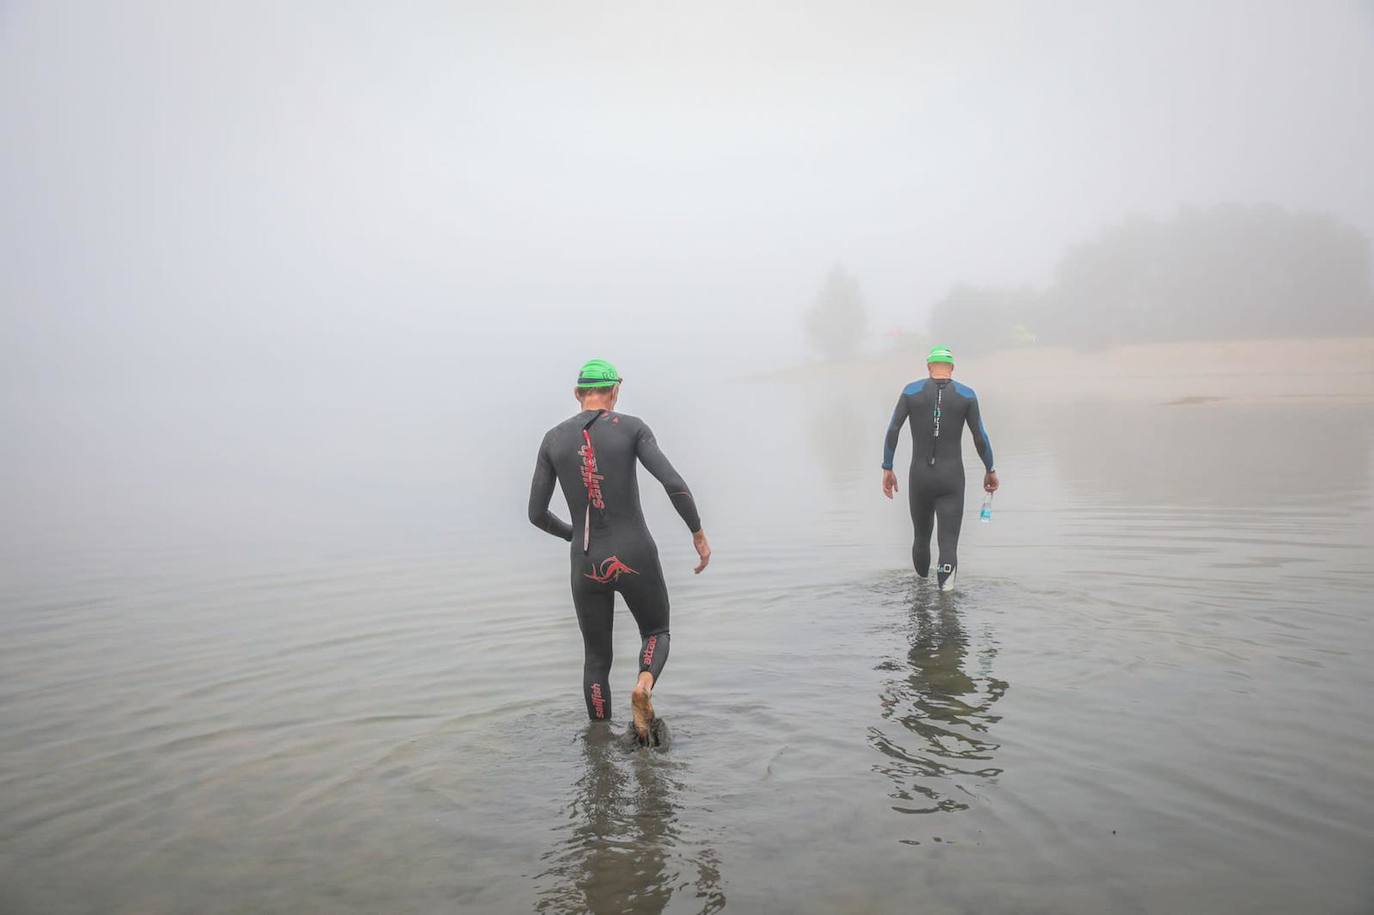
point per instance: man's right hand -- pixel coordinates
(889, 483)
(703, 551)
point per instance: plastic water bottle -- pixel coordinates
(986, 514)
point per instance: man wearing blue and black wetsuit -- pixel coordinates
(937, 408)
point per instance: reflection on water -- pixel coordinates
(943, 699)
(1203, 453)
(842, 437)
(617, 846)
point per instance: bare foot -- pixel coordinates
(643, 706)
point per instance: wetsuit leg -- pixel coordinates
(595, 613)
(923, 521)
(949, 511)
(646, 594)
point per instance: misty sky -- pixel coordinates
(403, 165)
(209, 212)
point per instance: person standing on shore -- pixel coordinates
(592, 456)
(937, 409)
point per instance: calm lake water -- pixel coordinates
(1151, 692)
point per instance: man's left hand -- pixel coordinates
(990, 483)
(703, 547)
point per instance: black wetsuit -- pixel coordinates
(937, 412)
(592, 455)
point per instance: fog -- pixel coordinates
(261, 260)
(290, 292)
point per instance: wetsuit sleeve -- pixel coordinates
(646, 446)
(541, 491)
(980, 434)
(894, 430)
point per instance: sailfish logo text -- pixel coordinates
(598, 703)
(590, 478)
(609, 570)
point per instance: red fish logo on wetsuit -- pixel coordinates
(609, 570)
(590, 478)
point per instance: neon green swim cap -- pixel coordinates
(940, 354)
(598, 373)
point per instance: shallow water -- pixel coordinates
(1150, 692)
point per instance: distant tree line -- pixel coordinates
(837, 320)
(1229, 271)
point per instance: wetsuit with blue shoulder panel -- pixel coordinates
(937, 411)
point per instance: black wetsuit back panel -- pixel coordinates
(593, 457)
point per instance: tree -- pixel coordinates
(1226, 271)
(837, 319)
(978, 319)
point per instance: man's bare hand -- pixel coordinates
(889, 483)
(703, 551)
(990, 483)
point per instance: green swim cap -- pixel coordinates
(940, 354)
(598, 373)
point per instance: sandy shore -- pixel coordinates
(1191, 374)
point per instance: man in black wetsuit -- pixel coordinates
(937, 408)
(592, 456)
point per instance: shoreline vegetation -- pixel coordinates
(1185, 374)
(1224, 304)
